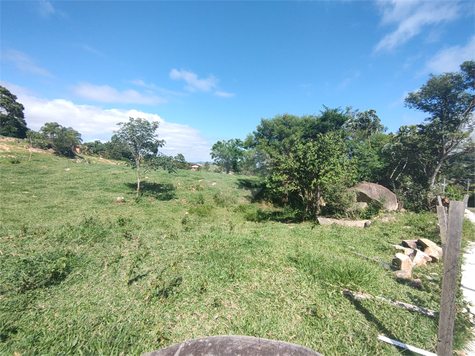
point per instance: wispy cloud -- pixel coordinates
(93, 122)
(107, 94)
(224, 94)
(450, 59)
(46, 9)
(89, 49)
(24, 62)
(348, 80)
(193, 82)
(410, 17)
(141, 83)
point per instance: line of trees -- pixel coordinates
(313, 157)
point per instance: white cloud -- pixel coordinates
(141, 83)
(224, 94)
(107, 94)
(46, 8)
(90, 49)
(194, 84)
(24, 62)
(411, 16)
(94, 122)
(450, 59)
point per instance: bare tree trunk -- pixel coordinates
(434, 173)
(138, 178)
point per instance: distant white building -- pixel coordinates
(195, 166)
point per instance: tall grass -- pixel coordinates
(84, 273)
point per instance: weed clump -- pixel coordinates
(36, 271)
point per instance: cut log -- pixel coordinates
(433, 254)
(421, 259)
(406, 250)
(403, 262)
(428, 243)
(410, 243)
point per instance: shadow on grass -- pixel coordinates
(256, 187)
(158, 191)
(375, 321)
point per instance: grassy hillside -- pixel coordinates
(193, 256)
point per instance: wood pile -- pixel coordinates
(415, 253)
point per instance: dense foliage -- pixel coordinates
(64, 141)
(12, 119)
(286, 149)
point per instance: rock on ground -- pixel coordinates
(352, 223)
(371, 191)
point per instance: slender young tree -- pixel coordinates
(139, 136)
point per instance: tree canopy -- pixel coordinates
(12, 119)
(140, 138)
(228, 154)
(450, 101)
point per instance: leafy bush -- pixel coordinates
(373, 209)
(39, 270)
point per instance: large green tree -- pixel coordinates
(12, 119)
(140, 137)
(312, 172)
(450, 101)
(228, 154)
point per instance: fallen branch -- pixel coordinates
(404, 346)
(384, 264)
(392, 302)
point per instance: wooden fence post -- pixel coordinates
(443, 225)
(449, 281)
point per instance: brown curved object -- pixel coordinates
(233, 346)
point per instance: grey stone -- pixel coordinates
(233, 345)
(352, 223)
(371, 191)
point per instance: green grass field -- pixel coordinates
(83, 273)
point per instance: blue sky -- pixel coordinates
(211, 70)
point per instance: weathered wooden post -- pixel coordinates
(449, 281)
(442, 216)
